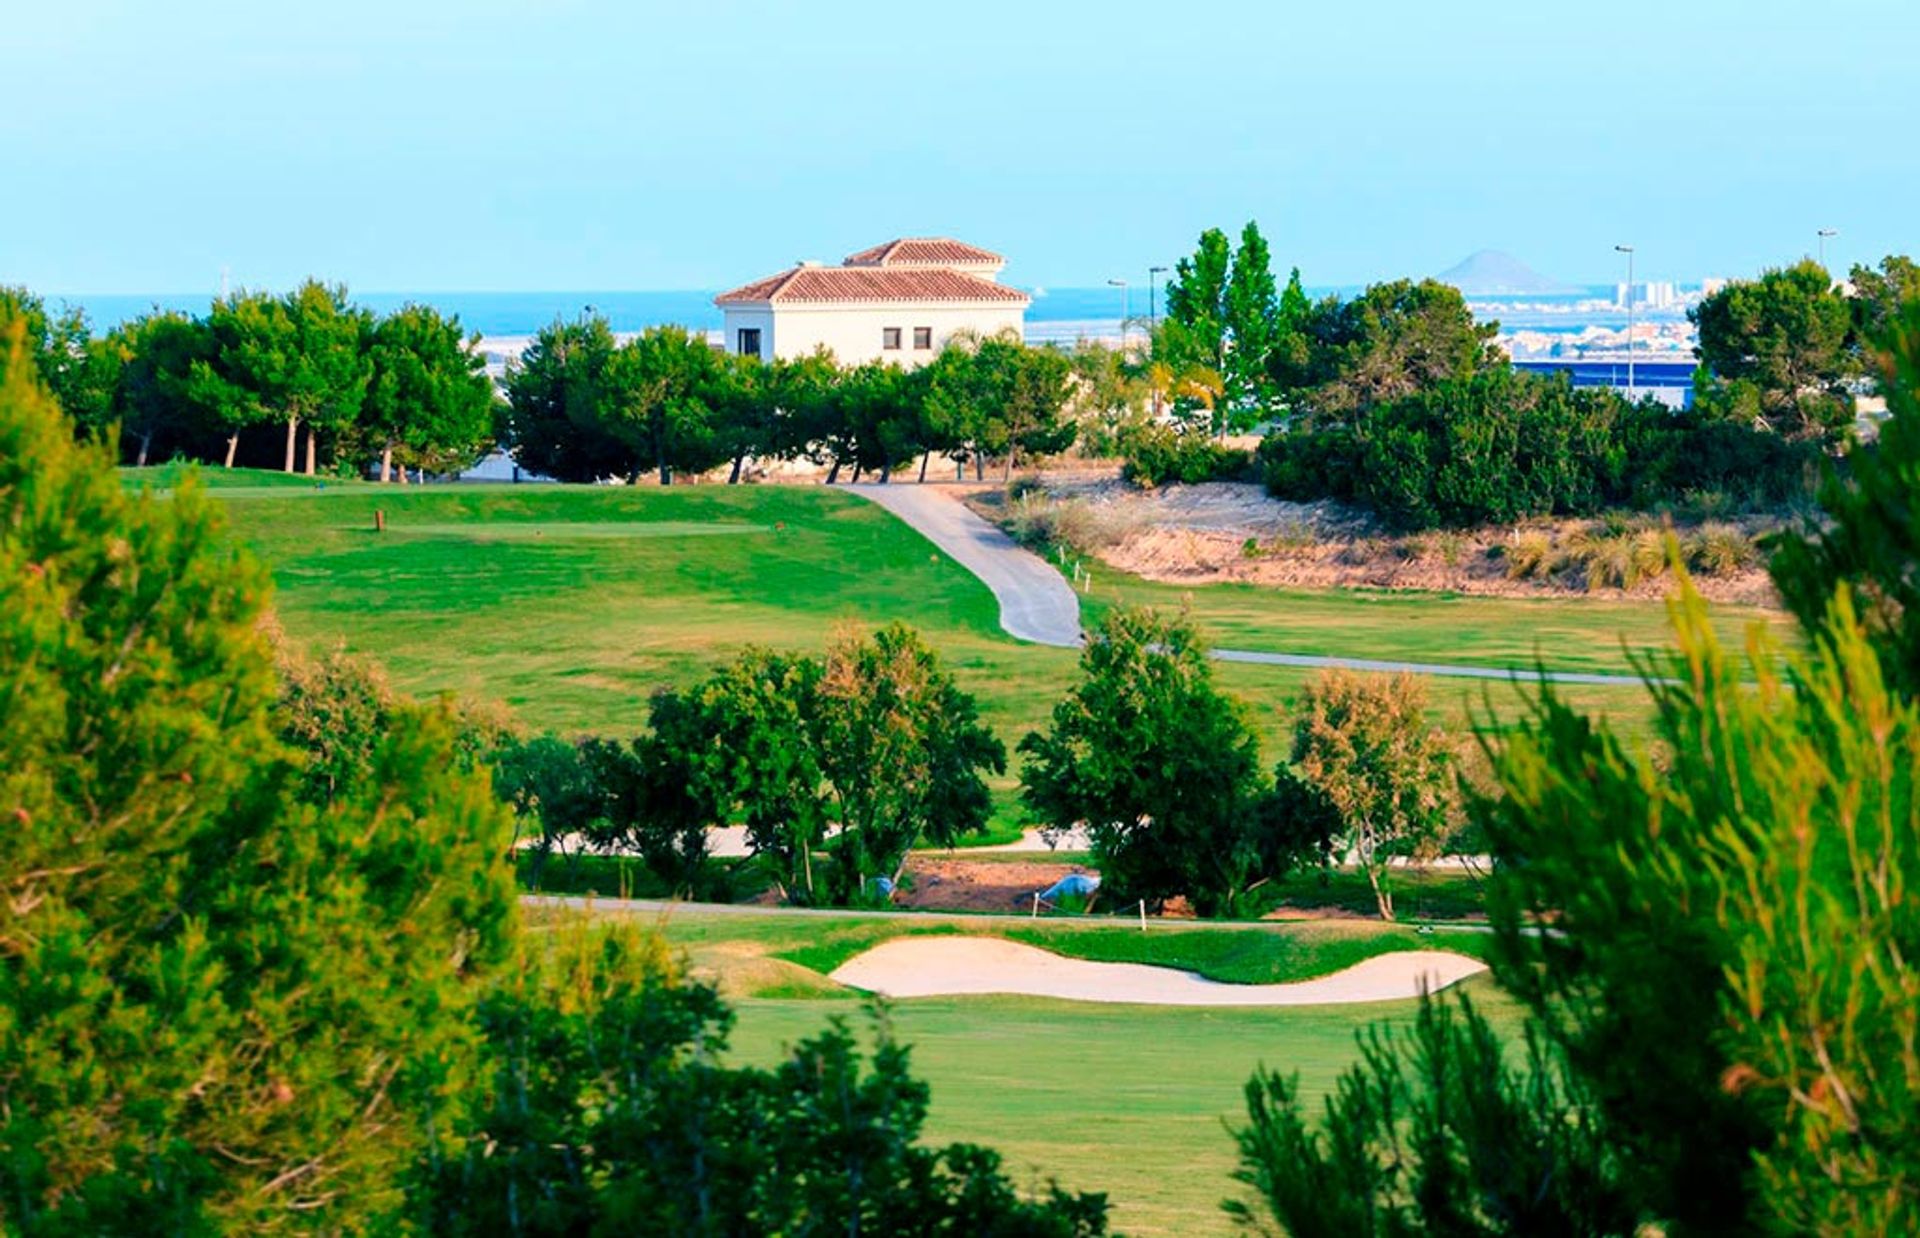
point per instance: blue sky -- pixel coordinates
(563, 144)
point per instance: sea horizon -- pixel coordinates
(511, 314)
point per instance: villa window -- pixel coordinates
(749, 342)
(890, 338)
(923, 338)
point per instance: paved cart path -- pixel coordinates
(1037, 604)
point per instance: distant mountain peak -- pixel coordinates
(1490, 272)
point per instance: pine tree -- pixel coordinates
(214, 998)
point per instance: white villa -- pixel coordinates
(899, 302)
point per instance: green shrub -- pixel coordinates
(1157, 455)
(1501, 446)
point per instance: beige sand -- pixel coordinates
(945, 966)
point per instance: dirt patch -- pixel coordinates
(963, 885)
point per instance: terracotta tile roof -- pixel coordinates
(851, 284)
(925, 251)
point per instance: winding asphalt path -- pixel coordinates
(1036, 602)
(1038, 605)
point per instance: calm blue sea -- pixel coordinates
(523, 313)
(1058, 315)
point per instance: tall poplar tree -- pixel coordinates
(1196, 299)
(1251, 311)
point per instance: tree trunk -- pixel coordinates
(979, 465)
(857, 468)
(233, 445)
(293, 430)
(1010, 454)
(886, 473)
(666, 473)
(733, 478)
(833, 474)
(312, 438)
(146, 441)
(386, 462)
(923, 465)
(1382, 898)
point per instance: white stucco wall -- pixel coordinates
(735, 319)
(854, 333)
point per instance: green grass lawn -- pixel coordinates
(1131, 1100)
(572, 604)
(1595, 634)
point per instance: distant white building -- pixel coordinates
(899, 302)
(1657, 294)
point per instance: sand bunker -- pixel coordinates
(945, 966)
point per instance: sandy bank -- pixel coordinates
(947, 966)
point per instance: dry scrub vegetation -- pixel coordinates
(1231, 532)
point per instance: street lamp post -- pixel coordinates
(1153, 305)
(1823, 234)
(1628, 251)
(1121, 284)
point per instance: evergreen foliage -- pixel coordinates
(1501, 446)
(1778, 348)
(1163, 770)
(216, 998)
(429, 402)
(1870, 540)
(1393, 340)
(604, 1109)
(1714, 938)
(249, 920)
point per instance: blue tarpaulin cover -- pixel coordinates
(1081, 884)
